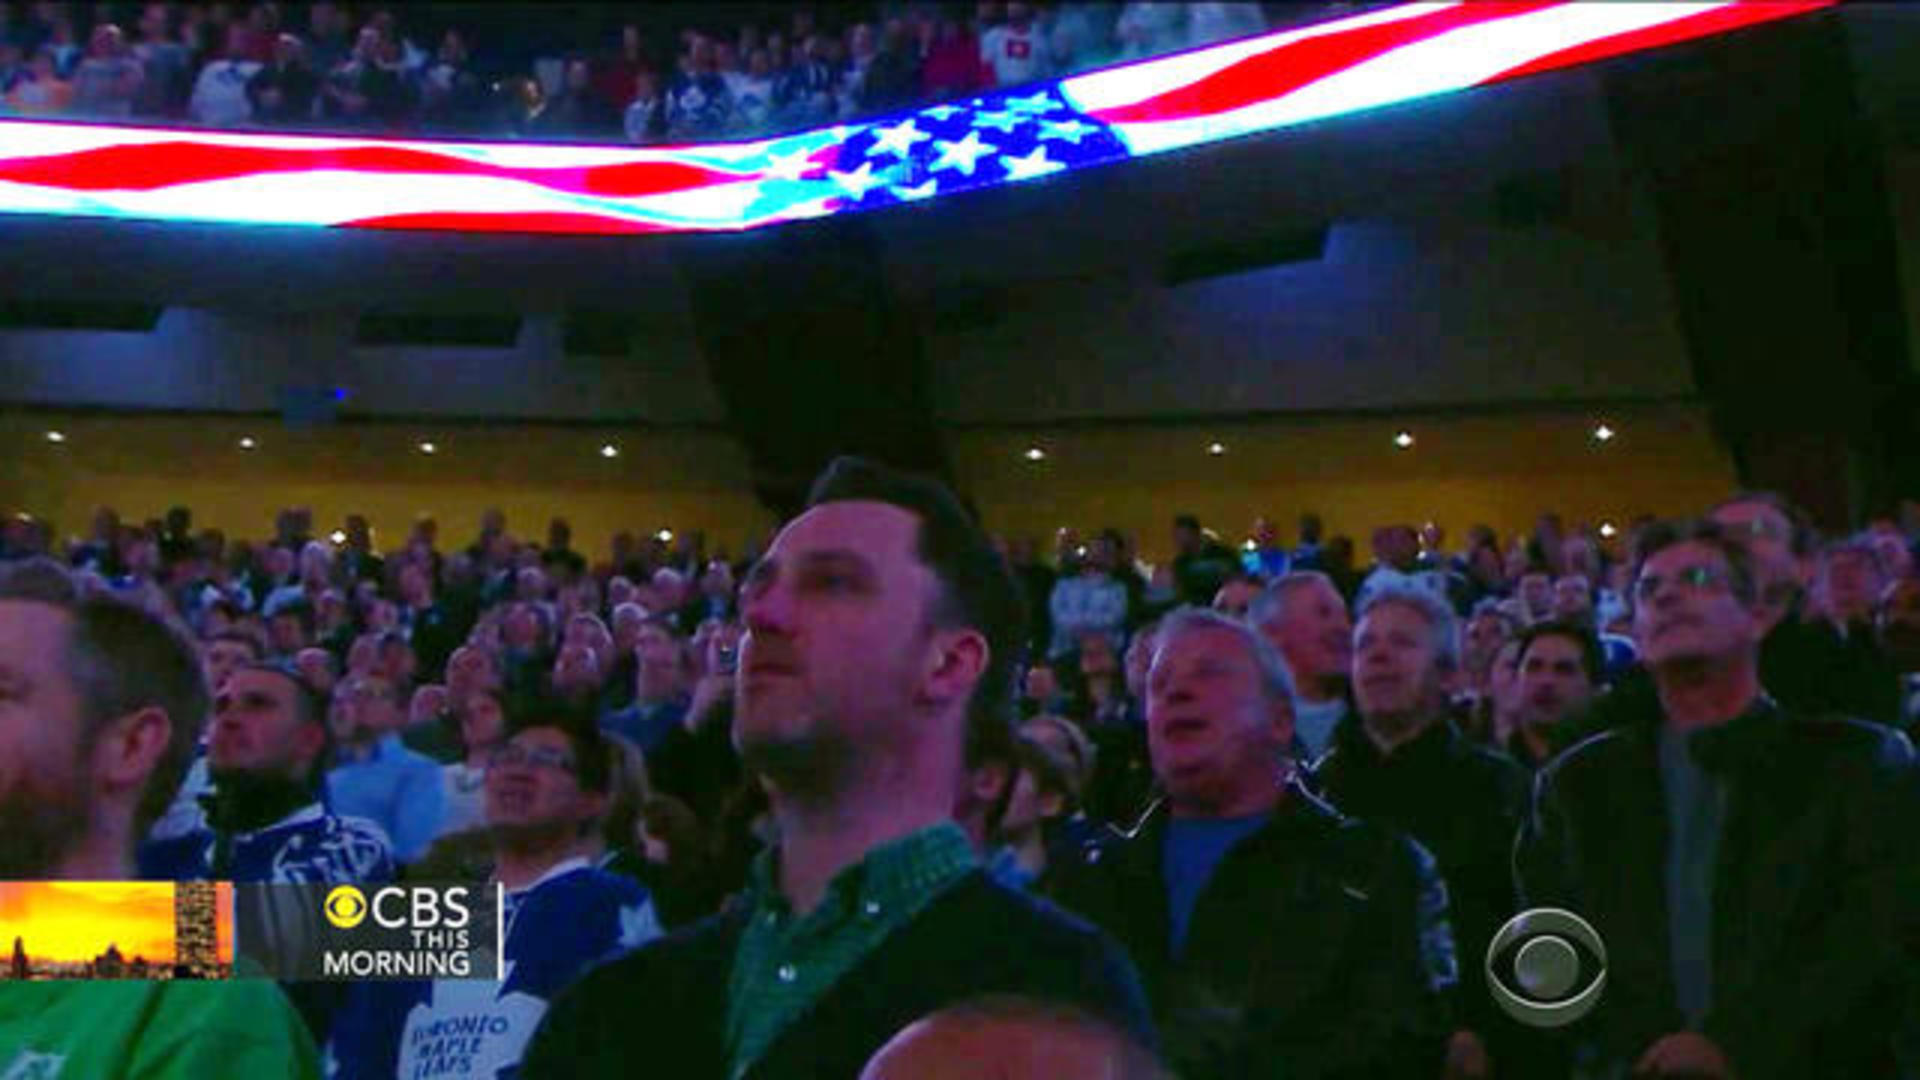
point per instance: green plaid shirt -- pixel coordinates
(786, 964)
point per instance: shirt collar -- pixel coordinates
(559, 869)
(924, 861)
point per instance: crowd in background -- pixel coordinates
(469, 707)
(594, 72)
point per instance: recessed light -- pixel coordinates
(1603, 433)
(1607, 530)
(1216, 449)
(1403, 439)
(665, 536)
(1251, 546)
(56, 436)
(609, 451)
(429, 448)
(1034, 453)
(23, 516)
(247, 443)
(338, 536)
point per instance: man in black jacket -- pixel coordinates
(881, 631)
(1401, 764)
(1751, 871)
(1277, 938)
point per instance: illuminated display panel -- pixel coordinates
(1203, 96)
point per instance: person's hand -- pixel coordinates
(708, 695)
(1685, 1054)
(1466, 1058)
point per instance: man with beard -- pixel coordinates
(881, 632)
(101, 706)
(1751, 869)
(547, 790)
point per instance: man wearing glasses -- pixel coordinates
(547, 790)
(1750, 869)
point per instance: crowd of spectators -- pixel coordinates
(627, 74)
(519, 708)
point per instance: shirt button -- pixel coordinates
(871, 907)
(787, 973)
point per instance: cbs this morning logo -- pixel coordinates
(1547, 967)
(406, 932)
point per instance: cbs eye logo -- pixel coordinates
(1537, 965)
(345, 907)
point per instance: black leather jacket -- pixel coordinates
(1816, 900)
(1319, 948)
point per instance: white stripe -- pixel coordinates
(1454, 60)
(327, 198)
(1132, 83)
(28, 140)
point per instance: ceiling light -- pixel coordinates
(1216, 449)
(1403, 439)
(1034, 453)
(55, 436)
(1603, 433)
(1251, 546)
(665, 536)
(609, 451)
(1607, 530)
(247, 443)
(429, 448)
(338, 536)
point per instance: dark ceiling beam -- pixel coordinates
(812, 354)
(1780, 247)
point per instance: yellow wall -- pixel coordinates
(1501, 471)
(142, 465)
(1498, 470)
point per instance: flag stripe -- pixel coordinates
(1717, 21)
(1283, 70)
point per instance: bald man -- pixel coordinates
(1012, 1038)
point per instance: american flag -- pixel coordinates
(1240, 88)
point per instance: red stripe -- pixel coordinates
(1289, 67)
(482, 222)
(145, 167)
(1707, 23)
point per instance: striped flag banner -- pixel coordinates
(1240, 88)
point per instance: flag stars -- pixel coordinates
(898, 140)
(1034, 164)
(963, 155)
(858, 182)
(1066, 130)
(1004, 122)
(1037, 104)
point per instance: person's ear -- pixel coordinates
(129, 748)
(957, 660)
(989, 781)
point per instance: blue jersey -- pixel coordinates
(308, 846)
(569, 919)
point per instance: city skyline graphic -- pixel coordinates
(115, 929)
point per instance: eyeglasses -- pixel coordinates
(542, 758)
(1695, 578)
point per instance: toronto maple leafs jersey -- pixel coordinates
(574, 916)
(308, 846)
